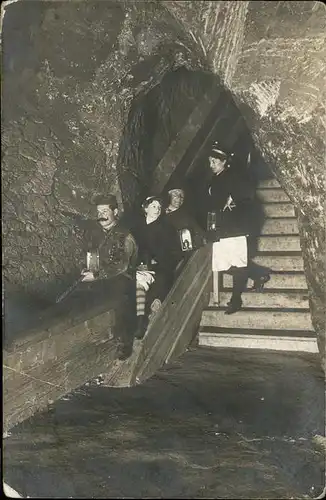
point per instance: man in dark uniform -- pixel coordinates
(191, 234)
(113, 252)
(227, 199)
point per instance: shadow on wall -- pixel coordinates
(19, 312)
(154, 121)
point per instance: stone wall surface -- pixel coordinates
(72, 70)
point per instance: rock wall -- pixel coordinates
(271, 55)
(72, 71)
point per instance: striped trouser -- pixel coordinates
(140, 300)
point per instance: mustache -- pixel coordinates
(102, 219)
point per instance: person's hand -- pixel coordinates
(229, 205)
(87, 276)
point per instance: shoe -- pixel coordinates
(124, 351)
(233, 307)
(141, 327)
(155, 307)
(259, 284)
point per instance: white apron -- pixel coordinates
(230, 252)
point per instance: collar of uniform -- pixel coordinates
(110, 227)
(169, 210)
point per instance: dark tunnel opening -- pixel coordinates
(154, 122)
(157, 119)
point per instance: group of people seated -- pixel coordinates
(166, 235)
(144, 259)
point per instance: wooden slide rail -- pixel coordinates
(174, 326)
(52, 360)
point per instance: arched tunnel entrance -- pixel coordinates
(170, 131)
(155, 120)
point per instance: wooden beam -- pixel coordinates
(52, 360)
(179, 146)
(216, 291)
(60, 356)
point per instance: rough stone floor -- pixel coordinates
(214, 424)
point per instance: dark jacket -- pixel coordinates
(160, 250)
(214, 196)
(117, 251)
(181, 219)
(159, 241)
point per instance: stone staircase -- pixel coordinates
(279, 317)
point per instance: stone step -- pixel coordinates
(282, 261)
(279, 209)
(279, 281)
(281, 225)
(268, 183)
(269, 299)
(285, 243)
(272, 195)
(274, 340)
(262, 319)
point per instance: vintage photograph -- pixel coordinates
(163, 262)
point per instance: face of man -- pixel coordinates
(153, 211)
(176, 198)
(105, 215)
(217, 165)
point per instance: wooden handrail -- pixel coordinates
(51, 360)
(174, 325)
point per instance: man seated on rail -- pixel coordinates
(111, 269)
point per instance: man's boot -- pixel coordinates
(124, 350)
(240, 277)
(233, 306)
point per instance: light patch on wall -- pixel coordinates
(265, 95)
(302, 116)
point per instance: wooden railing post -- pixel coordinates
(215, 297)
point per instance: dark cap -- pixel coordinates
(108, 199)
(220, 152)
